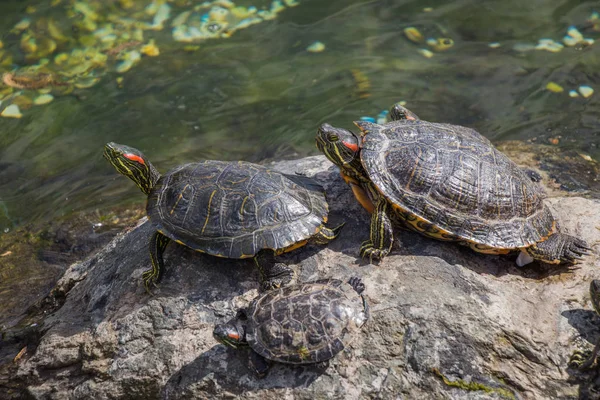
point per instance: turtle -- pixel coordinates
(584, 360)
(447, 182)
(227, 209)
(306, 323)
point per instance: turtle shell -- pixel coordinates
(235, 209)
(450, 178)
(305, 323)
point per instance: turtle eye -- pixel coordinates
(332, 137)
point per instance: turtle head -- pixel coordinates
(132, 163)
(595, 294)
(339, 145)
(231, 335)
(399, 113)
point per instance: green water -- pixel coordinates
(260, 95)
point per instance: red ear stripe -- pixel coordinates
(351, 146)
(133, 157)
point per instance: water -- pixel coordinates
(260, 95)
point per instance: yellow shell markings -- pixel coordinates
(303, 353)
(429, 229)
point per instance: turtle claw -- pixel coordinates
(580, 360)
(368, 250)
(149, 277)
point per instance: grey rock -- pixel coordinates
(446, 323)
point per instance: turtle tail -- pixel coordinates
(559, 248)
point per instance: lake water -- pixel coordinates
(260, 94)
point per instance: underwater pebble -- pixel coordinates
(316, 47)
(554, 140)
(554, 87)
(23, 24)
(413, 34)
(574, 33)
(129, 61)
(181, 18)
(425, 53)
(277, 6)
(549, 45)
(586, 91)
(11, 111)
(586, 157)
(163, 14)
(428, 9)
(573, 93)
(150, 49)
(522, 47)
(440, 44)
(43, 99)
(570, 41)
(494, 45)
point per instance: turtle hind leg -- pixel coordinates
(259, 364)
(157, 245)
(559, 248)
(272, 274)
(382, 234)
(326, 235)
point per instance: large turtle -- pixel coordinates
(447, 182)
(227, 209)
(298, 324)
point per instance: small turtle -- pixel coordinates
(298, 324)
(585, 359)
(227, 209)
(446, 182)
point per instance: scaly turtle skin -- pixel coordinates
(298, 324)
(585, 360)
(227, 209)
(447, 182)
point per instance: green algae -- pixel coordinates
(474, 386)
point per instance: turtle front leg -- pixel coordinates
(259, 364)
(559, 248)
(583, 360)
(158, 243)
(382, 234)
(272, 274)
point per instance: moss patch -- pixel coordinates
(474, 386)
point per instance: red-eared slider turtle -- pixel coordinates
(447, 182)
(227, 209)
(584, 360)
(298, 324)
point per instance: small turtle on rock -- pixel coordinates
(585, 359)
(446, 182)
(307, 323)
(227, 209)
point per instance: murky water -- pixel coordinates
(260, 94)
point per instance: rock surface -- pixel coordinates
(446, 323)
